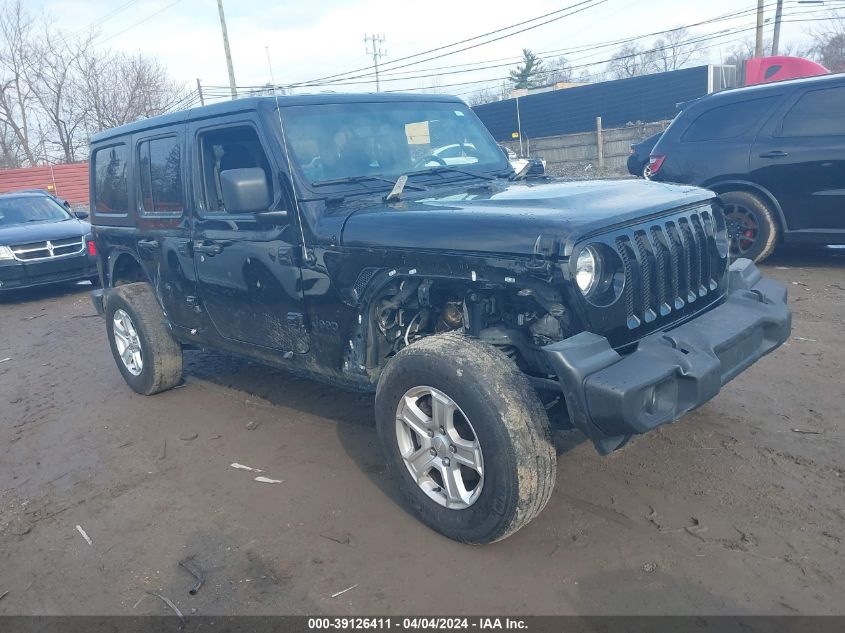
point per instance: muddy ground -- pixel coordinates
(729, 511)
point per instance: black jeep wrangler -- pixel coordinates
(383, 243)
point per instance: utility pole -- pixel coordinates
(374, 42)
(758, 43)
(229, 66)
(199, 91)
(776, 34)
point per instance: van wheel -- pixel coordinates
(465, 437)
(752, 229)
(145, 351)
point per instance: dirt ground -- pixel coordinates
(739, 508)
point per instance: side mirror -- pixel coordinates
(245, 190)
(81, 215)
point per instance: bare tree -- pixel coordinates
(56, 89)
(480, 97)
(630, 61)
(122, 88)
(558, 70)
(17, 60)
(677, 49)
(829, 48)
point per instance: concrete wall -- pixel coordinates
(573, 154)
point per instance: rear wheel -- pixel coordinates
(466, 438)
(147, 355)
(752, 229)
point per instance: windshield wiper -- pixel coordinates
(444, 168)
(361, 180)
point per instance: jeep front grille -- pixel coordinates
(669, 268)
(669, 265)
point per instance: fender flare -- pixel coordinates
(719, 186)
(118, 253)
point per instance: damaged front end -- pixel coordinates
(611, 397)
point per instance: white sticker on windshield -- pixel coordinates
(458, 113)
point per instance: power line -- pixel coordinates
(498, 79)
(593, 47)
(110, 14)
(470, 39)
(694, 40)
(140, 22)
(583, 47)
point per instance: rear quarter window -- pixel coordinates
(160, 176)
(729, 121)
(111, 192)
(817, 113)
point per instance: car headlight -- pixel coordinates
(588, 270)
(6, 253)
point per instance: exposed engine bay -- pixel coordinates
(516, 319)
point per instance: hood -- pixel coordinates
(511, 219)
(42, 231)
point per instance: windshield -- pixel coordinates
(31, 209)
(353, 140)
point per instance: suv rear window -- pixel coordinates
(161, 176)
(110, 188)
(728, 121)
(817, 113)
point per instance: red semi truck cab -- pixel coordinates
(761, 70)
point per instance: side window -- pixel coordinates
(817, 113)
(160, 176)
(235, 147)
(110, 187)
(728, 121)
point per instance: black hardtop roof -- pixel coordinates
(253, 103)
(761, 90)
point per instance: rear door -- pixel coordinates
(800, 158)
(250, 283)
(163, 233)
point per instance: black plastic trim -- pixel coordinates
(611, 397)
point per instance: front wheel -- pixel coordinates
(466, 438)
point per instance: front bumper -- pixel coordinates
(611, 397)
(16, 274)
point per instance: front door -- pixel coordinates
(800, 158)
(247, 271)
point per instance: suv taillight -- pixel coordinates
(92, 248)
(655, 161)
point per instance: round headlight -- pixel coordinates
(588, 270)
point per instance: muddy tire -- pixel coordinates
(498, 436)
(147, 355)
(753, 231)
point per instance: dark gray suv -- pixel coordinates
(776, 155)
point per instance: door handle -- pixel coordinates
(208, 249)
(152, 245)
(773, 154)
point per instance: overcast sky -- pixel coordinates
(312, 39)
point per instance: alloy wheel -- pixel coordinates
(743, 229)
(439, 447)
(128, 342)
